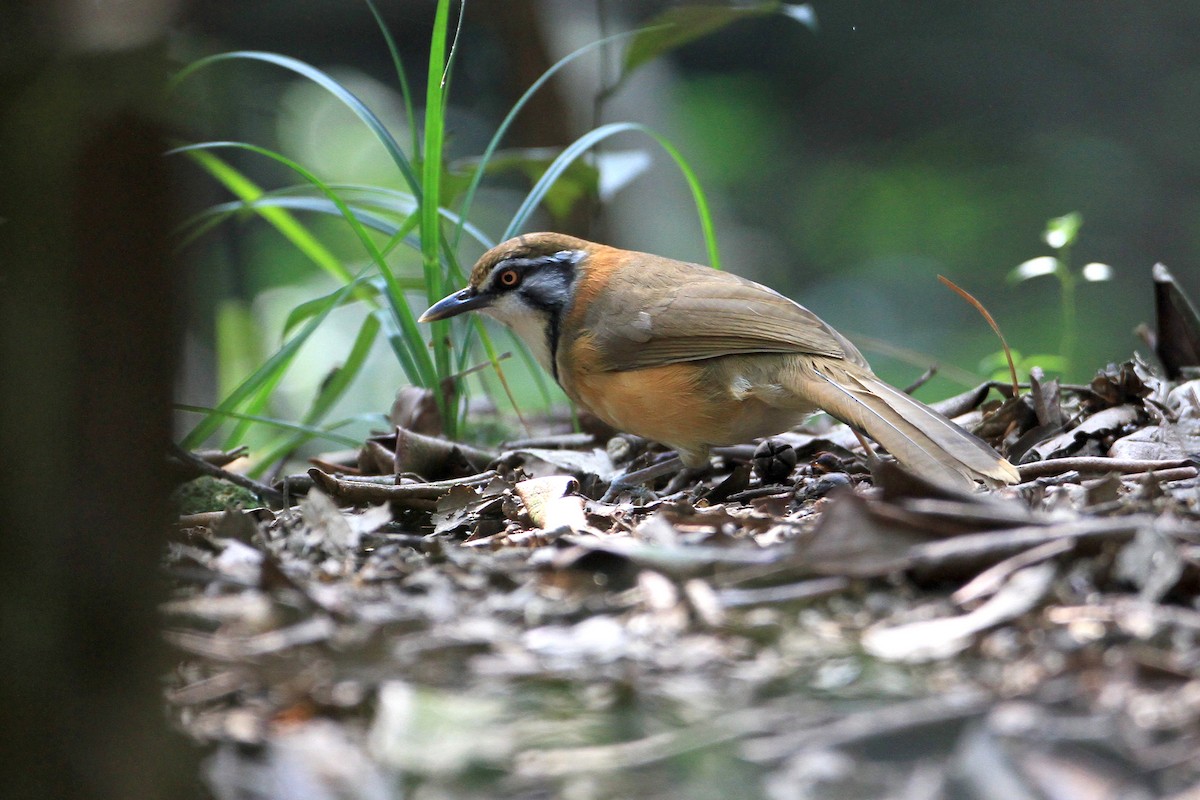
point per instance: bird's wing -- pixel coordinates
(686, 312)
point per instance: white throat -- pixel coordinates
(527, 323)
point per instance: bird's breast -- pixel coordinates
(689, 406)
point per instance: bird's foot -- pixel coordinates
(634, 482)
(637, 492)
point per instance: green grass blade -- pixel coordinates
(401, 75)
(267, 375)
(400, 347)
(682, 24)
(364, 214)
(257, 404)
(332, 390)
(591, 139)
(308, 430)
(397, 302)
(431, 175)
(348, 98)
(366, 288)
(287, 225)
(481, 167)
(382, 198)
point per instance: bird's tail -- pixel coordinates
(919, 437)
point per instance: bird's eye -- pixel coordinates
(509, 278)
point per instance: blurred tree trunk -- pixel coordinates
(87, 352)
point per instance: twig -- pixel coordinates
(926, 376)
(784, 593)
(1056, 466)
(991, 579)
(970, 551)
(1160, 475)
(265, 493)
(639, 752)
(556, 441)
(415, 495)
(964, 294)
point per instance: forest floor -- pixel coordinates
(792, 626)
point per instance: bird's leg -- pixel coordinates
(873, 459)
(634, 481)
(872, 456)
(685, 476)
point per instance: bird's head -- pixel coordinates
(527, 283)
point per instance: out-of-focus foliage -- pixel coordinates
(850, 163)
(428, 214)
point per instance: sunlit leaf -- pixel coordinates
(1034, 268)
(1096, 271)
(1061, 231)
(619, 168)
(287, 225)
(578, 181)
(802, 13)
(998, 362)
(681, 25)
(1050, 362)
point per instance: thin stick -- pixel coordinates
(266, 493)
(964, 294)
(1094, 464)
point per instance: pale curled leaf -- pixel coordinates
(931, 640)
(1095, 272)
(1034, 268)
(552, 502)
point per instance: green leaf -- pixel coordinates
(1049, 362)
(251, 391)
(682, 25)
(494, 144)
(1062, 231)
(239, 343)
(322, 79)
(401, 75)
(287, 225)
(396, 299)
(997, 362)
(430, 220)
(332, 389)
(310, 308)
(579, 181)
(313, 432)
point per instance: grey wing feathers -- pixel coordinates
(701, 313)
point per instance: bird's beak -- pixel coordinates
(460, 302)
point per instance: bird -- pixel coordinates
(695, 358)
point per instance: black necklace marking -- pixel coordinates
(552, 340)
